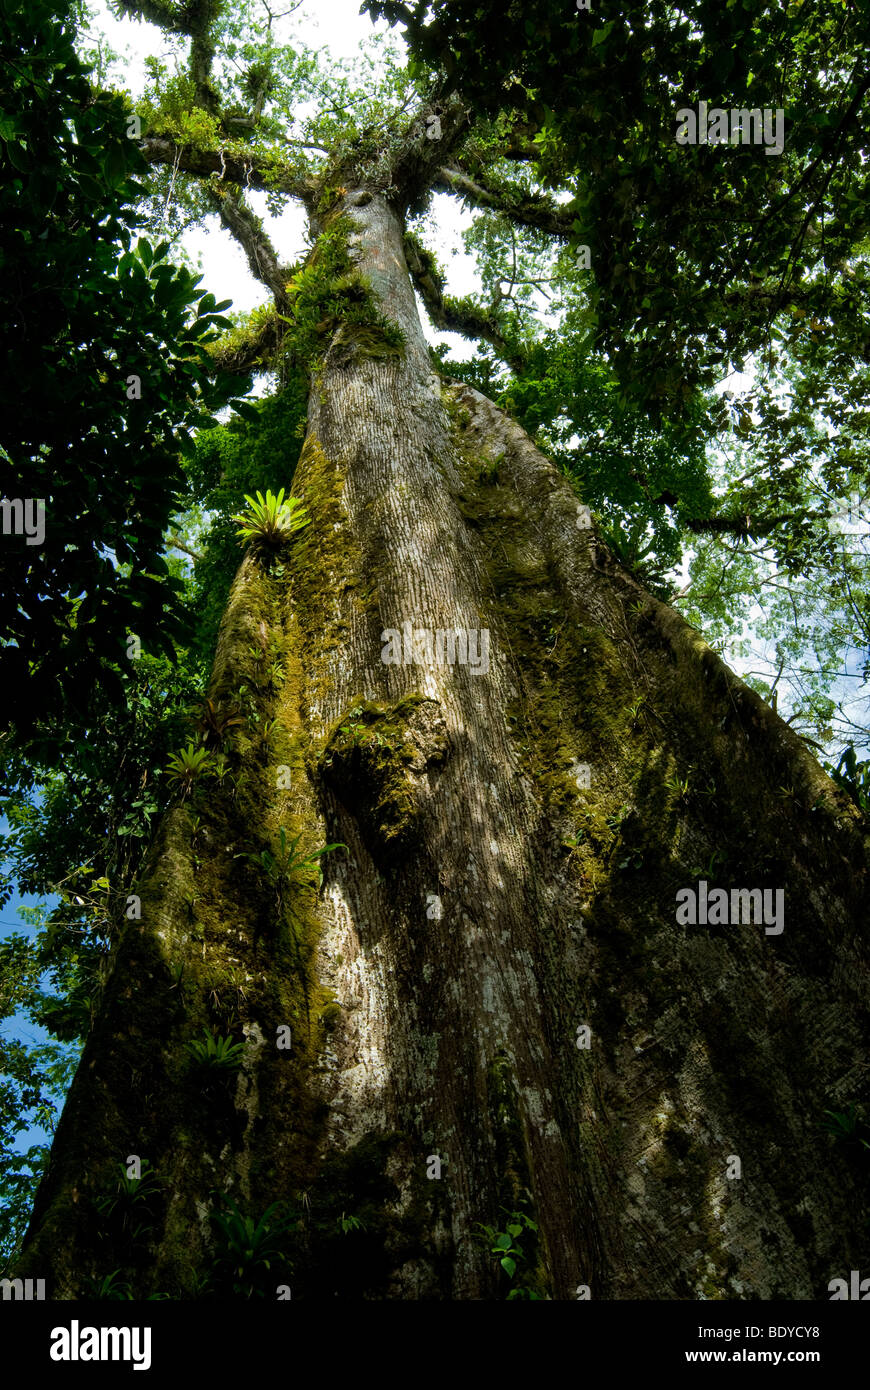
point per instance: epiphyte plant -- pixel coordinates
(270, 521)
(190, 764)
(288, 864)
(245, 1246)
(216, 1053)
(128, 1201)
(213, 722)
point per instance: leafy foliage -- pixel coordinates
(231, 460)
(288, 865)
(270, 521)
(128, 1206)
(680, 292)
(247, 1248)
(213, 722)
(846, 1126)
(186, 768)
(613, 375)
(216, 1053)
(89, 319)
(514, 1247)
(854, 777)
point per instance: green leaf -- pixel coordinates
(601, 35)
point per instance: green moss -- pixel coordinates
(370, 757)
(574, 695)
(511, 1158)
(331, 302)
(326, 568)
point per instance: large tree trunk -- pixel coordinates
(436, 984)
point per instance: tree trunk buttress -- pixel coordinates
(489, 906)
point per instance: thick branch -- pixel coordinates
(748, 525)
(523, 151)
(172, 19)
(248, 170)
(194, 19)
(178, 544)
(456, 315)
(529, 209)
(251, 235)
(435, 130)
(250, 349)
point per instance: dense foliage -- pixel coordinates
(102, 342)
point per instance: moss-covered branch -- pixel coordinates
(252, 345)
(251, 235)
(171, 18)
(457, 315)
(196, 20)
(529, 209)
(249, 170)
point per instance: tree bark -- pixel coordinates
(487, 907)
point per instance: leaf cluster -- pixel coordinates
(83, 310)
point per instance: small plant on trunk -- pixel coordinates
(247, 1248)
(216, 1053)
(189, 766)
(269, 521)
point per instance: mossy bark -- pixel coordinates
(486, 908)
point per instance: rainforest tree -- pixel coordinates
(498, 941)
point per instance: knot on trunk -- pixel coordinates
(377, 760)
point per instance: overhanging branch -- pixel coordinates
(530, 209)
(251, 235)
(457, 315)
(748, 525)
(247, 170)
(251, 349)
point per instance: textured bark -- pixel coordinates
(418, 1034)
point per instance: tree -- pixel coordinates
(103, 347)
(443, 903)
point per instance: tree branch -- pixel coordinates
(195, 19)
(748, 525)
(172, 19)
(530, 209)
(178, 544)
(248, 170)
(457, 315)
(251, 235)
(434, 130)
(249, 349)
